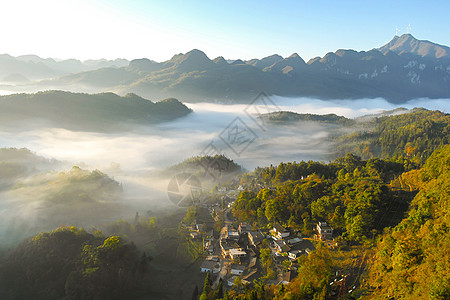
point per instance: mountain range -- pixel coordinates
(403, 69)
(25, 68)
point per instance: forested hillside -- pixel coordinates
(44, 201)
(412, 260)
(101, 112)
(407, 137)
(350, 194)
(207, 168)
(69, 263)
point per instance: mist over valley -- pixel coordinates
(133, 157)
(214, 161)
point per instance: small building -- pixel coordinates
(237, 269)
(255, 237)
(252, 262)
(194, 234)
(227, 245)
(230, 280)
(233, 235)
(281, 246)
(237, 253)
(324, 231)
(244, 227)
(280, 232)
(288, 277)
(294, 241)
(213, 258)
(210, 266)
(209, 246)
(294, 254)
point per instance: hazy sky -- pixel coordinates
(234, 29)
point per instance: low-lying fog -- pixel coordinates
(159, 146)
(134, 158)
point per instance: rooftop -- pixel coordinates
(237, 252)
(279, 228)
(324, 225)
(209, 264)
(238, 267)
(294, 240)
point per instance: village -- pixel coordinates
(234, 255)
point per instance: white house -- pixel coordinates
(237, 270)
(210, 266)
(294, 254)
(281, 246)
(233, 235)
(324, 231)
(230, 281)
(280, 231)
(237, 253)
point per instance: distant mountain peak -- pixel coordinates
(408, 43)
(238, 62)
(265, 62)
(143, 64)
(192, 60)
(196, 53)
(294, 57)
(220, 60)
(193, 55)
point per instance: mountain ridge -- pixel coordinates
(407, 43)
(405, 68)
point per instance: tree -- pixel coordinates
(207, 284)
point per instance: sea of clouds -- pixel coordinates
(135, 157)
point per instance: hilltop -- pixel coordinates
(91, 112)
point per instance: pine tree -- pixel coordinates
(207, 284)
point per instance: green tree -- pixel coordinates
(207, 284)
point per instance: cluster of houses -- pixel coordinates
(239, 245)
(235, 253)
(198, 230)
(289, 245)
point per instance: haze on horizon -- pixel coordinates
(158, 30)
